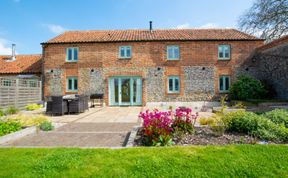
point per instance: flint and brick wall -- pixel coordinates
(198, 68)
(270, 65)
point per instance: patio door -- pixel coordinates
(125, 91)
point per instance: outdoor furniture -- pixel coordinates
(99, 97)
(77, 105)
(59, 106)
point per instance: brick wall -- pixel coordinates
(149, 60)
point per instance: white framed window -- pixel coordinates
(173, 52)
(173, 84)
(72, 54)
(224, 83)
(7, 83)
(72, 84)
(224, 52)
(125, 51)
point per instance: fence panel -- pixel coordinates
(19, 92)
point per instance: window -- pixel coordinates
(72, 84)
(72, 54)
(173, 53)
(32, 83)
(125, 52)
(173, 84)
(224, 84)
(7, 83)
(224, 52)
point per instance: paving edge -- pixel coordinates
(132, 136)
(24, 132)
(18, 134)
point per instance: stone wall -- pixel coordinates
(271, 66)
(56, 81)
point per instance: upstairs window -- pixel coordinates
(72, 54)
(173, 84)
(224, 84)
(173, 52)
(224, 52)
(125, 51)
(72, 84)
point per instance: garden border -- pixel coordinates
(24, 132)
(132, 136)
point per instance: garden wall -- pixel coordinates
(270, 64)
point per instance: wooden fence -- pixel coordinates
(19, 92)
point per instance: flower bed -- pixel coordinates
(240, 127)
(159, 127)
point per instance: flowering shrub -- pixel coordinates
(159, 126)
(184, 120)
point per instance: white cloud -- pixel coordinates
(57, 29)
(183, 26)
(209, 25)
(4, 50)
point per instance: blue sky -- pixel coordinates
(30, 22)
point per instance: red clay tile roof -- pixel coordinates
(24, 64)
(278, 42)
(146, 35)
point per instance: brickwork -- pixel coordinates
(198, 67)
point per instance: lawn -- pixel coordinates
(200, 161)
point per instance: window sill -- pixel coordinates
(173, 93)
(223, 92)
(71, 61)
(125, 58)
(224, 59)
(173, 59)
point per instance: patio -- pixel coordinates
(98, 127)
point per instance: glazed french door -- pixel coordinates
(125, 91)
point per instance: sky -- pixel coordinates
(27, 23)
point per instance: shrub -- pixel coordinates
(247, 87)
(32, 107)
(157, 125)
(27, 121)
(184, 120)
(278, 116)
(46, 126)
(1, 112)
(207, 121)
(253, 124)
(9, 127)
(11, 110)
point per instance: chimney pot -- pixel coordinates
(13, 52)
(151, 28)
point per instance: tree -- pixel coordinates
(266, 18)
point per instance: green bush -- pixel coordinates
(11, 110)
(247, 87)
(32, 107)
(27, 120)
(9, 127)
(256, 125)
(46, 126)
(1, 112)
(278, 116)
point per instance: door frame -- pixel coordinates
(120, 103)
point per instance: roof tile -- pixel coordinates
(24, 64)
(146, 35)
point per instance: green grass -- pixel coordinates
(210, 161)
